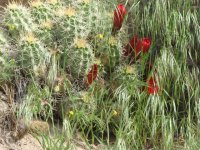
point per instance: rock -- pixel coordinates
(39, 127)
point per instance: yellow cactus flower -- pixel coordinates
(130, 69)
(36, 3)
(80, 43)
(47, 24)
(114, 113)
(112, 41)
(30, 38)
(13, 5)
(70, 11)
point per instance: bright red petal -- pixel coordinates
(119, 15)
(152, 86)
(146, 43)
(133, 41)
(92, 74)
(128, 49)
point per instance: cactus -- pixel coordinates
(4, 43)
(3, 39)
(110, 53)
(18, 19)
(79, 58)
(43, 11)
(32, 52)
(46, 34)
(65, 26)
(7, 68)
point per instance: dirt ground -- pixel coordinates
(26, 143)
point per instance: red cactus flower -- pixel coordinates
(146, 43)
(152, 85)
(128, 49)
(119, 15)
(92, 74)
(142, 45)
(137, 44)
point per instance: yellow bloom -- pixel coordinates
(13, 5)
(130, 69)
(114, 113)
(100, 36)
(70, 12)
(80, 43)
(11, 27)
(36, 3)
(71, 113)
(30, 38)
(112, 41)
(47, 24)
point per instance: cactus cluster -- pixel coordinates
(54, 38)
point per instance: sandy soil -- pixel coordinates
(27, 143)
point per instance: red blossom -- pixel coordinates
(146, 43)
(119, 15)
(128, 49)
(138, 45)
(92, 74)
(152, 85)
